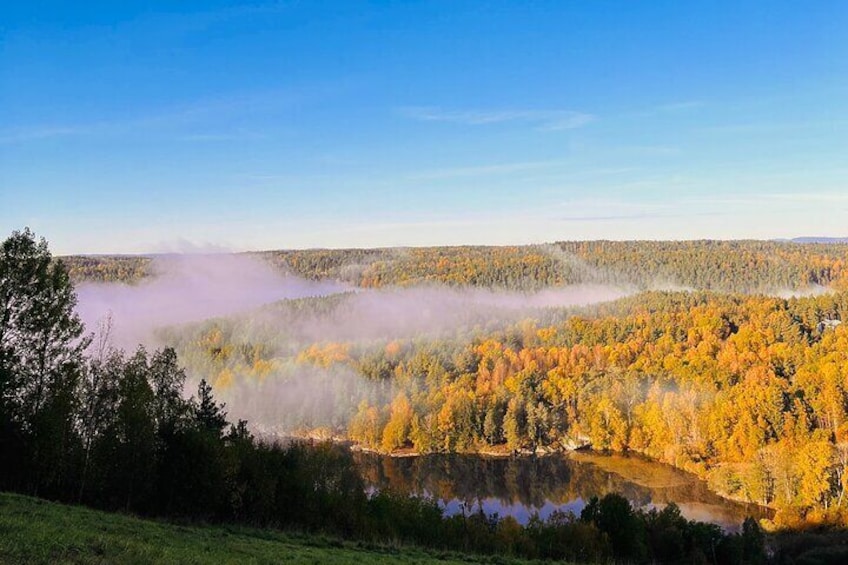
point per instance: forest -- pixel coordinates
(748, 392)
(711, 374)
(83, 422)
(722, 266)
(746, 389)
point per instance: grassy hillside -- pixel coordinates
(36, 531)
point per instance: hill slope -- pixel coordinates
(36, 531)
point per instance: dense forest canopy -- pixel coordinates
(726, 266)
(748, 392)
(719, 372)
(82, 421)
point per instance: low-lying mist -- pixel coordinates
(267, 318)
(403, 313)
(291, 396)
(188, 288)
(804, 292)
(286, 353)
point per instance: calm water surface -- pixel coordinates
(520, 487)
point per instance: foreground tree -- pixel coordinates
(41, 355)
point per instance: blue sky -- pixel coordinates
(131, 127)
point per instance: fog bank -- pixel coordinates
(265, 317)
(188, 288)
(431, 311)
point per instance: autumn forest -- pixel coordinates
(307, 390)
(725, 359)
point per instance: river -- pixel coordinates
(522, 486)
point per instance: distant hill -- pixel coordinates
(815, 239)
(722, 266)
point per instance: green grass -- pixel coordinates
(37, 531)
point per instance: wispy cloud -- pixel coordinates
(608, 217)
(679, 106)
(177, 118)
(774, 198)
(624, 210)
(636, 216)
(647, 150)
(239, 135)
(482, 170)
(775, 127)
(600, 209)
(551, 120)
(668, 109)
(36, 133)
(809, 196)
(552, 172)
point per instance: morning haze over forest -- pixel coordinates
(412, 282)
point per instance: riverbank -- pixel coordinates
(628, 465)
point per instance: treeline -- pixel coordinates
(128, 269)
(515, 268)
(750, 393)
(115, 431)
(725, 266)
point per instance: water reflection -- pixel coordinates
(520, 487)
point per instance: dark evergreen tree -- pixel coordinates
(209, 415)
